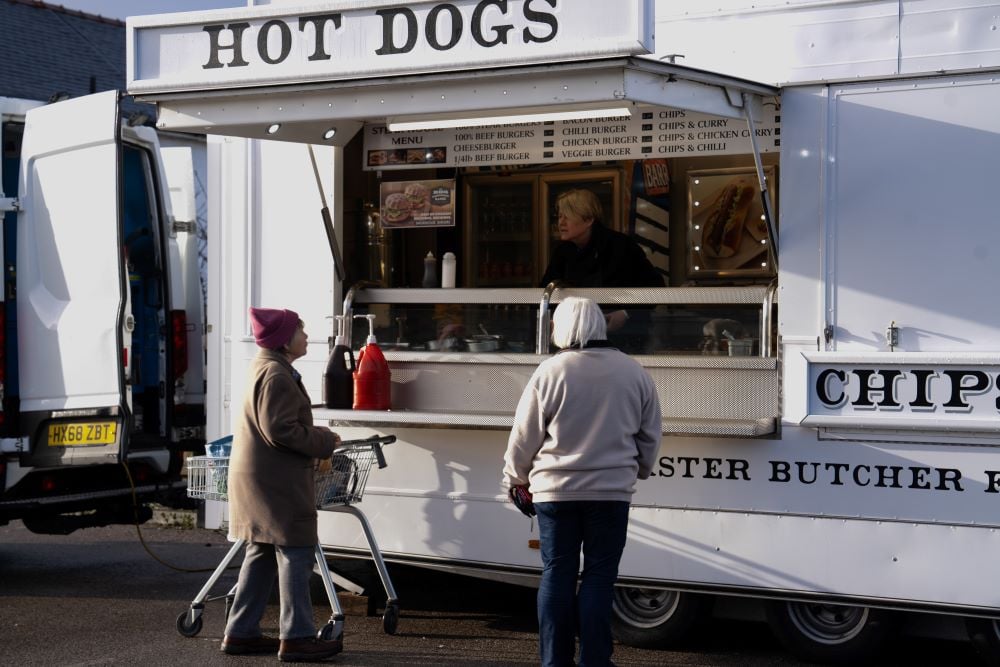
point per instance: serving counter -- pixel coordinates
(707, 380)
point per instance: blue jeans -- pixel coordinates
(563, 611)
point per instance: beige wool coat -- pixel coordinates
(271, 468)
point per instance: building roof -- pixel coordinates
(47, 49)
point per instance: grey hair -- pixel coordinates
(576, 322)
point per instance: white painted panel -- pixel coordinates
(179, 166)
(440, 498)
(800, 209)
(344, 40)
(291, 264)
(949, 34)
(916, 222)
(69, 278)
(796, 41)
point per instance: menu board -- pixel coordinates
(650, 133)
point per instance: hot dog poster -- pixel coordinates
(418, 203)
(727, 231)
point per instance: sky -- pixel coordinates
(119, 9)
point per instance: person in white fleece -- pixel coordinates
(586, 427)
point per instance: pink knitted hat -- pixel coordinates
(273, 328)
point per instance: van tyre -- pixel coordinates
(657, 618)
(829, 634)
(985, 636)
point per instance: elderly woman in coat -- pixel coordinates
(586, 427)
(272, 496)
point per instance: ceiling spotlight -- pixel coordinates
(329, 134)
(273, 128)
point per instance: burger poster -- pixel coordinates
(418, 203)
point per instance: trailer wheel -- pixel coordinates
(829, 633)
(985, 636)
(186, 626)
(655, 617)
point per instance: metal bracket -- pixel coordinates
(185, 226)
(13, 445)
(9, 204)
(892, 336)
(735, 97)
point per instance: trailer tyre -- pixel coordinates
(657, 618)
(832, 634)
(985, 636)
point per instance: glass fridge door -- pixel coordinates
(501, 234)
(605, 183)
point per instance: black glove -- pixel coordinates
(522, 500)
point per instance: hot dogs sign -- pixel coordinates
(727, 231)
(418, 203)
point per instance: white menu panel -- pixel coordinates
(649, 133)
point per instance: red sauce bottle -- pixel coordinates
(372, 377)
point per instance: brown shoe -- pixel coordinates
(249, 645)
(309, 649)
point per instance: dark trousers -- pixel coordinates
(293, 566)
(600, 528)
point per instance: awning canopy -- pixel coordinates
(306, 112)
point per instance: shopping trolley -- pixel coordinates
(340, 482)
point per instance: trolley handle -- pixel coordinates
(381, 440)
(375, 442)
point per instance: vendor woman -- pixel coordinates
(592, 255)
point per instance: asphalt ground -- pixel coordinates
(97, 597)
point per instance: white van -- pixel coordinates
(101, 359)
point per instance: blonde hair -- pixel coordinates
(576, 322)
(580, 202)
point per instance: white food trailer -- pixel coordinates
(838, 462)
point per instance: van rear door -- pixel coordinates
(71, 282)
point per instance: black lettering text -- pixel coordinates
(666, 466)
(432, 23)
(959, 390)
(837, 468)
(215, 46)
(285, 34)
(923, 380)
(803, 477)
(822, 388)
(946, 475)
(888, 476)
(887, 390)
(993, 479)
(500, 31)
(319, 53)
(540, 17)
(920, 477)
(389, 46)
(741, 466)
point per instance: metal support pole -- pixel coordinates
(772, 232)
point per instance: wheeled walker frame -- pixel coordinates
(337, 488)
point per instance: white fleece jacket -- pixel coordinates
(587, 425)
